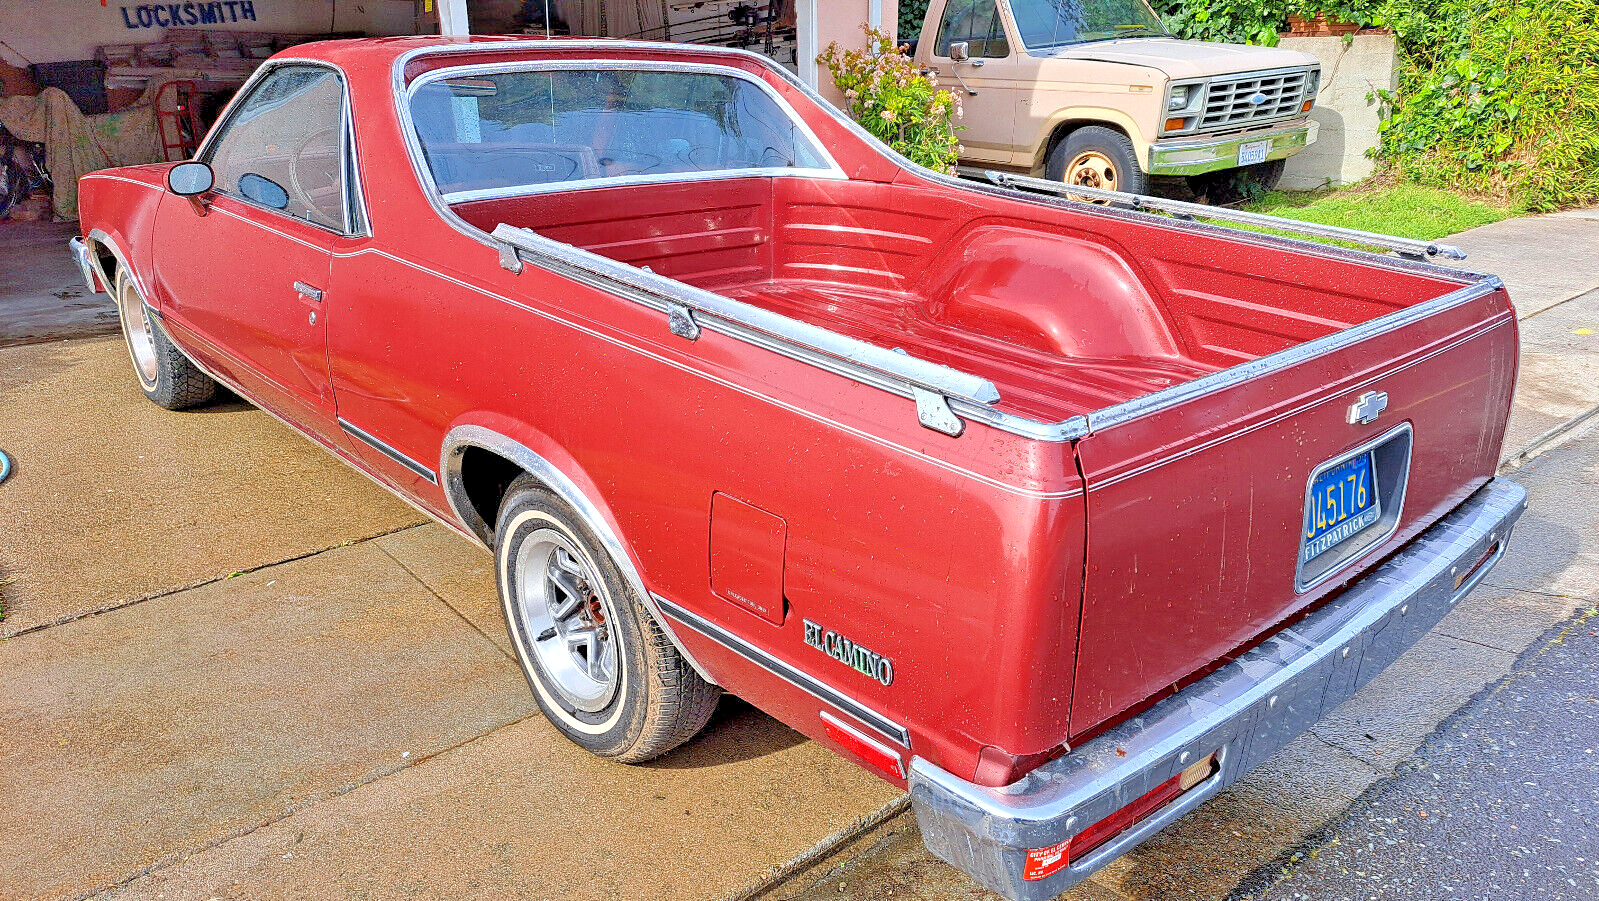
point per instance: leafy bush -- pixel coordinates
(885, 92)
(911, 15)
(1500, 96)
(1495, 96)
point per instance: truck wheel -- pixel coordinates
(1097, 157)
(601, 668)
(166, 376)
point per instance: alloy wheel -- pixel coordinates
(567, 613)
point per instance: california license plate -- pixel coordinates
(1342, 503)
(1253, 152)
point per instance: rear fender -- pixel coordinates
(544, 459)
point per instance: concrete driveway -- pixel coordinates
(233, 667)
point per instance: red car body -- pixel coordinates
(1069, 567)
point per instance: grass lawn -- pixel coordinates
(1407, 211)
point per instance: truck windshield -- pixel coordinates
(1053, 23)
(504, 133)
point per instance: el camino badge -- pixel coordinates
(849, 653)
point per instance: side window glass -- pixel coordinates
(283, 147)
(978, 23)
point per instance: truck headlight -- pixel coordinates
(1178, 98)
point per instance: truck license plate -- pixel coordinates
(1253, 152)
(1342, 503)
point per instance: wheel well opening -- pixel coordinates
(1065, 129)
(108, 264)
(484, 477)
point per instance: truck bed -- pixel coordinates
(1201, 374)
(1064, 317)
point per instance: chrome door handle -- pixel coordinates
(308, 292)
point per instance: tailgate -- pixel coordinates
(1197, 496)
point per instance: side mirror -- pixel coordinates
(189, 179)
(960, 51)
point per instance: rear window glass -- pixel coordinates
(504, 132)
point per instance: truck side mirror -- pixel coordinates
(960, 51)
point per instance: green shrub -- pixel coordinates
(1495, 96)
(885, 92)
(911, 15)
(1501, 97)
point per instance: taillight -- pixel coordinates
(1045, 862)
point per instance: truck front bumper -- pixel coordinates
(1195, 156)
(1243, 713)
(80, 255)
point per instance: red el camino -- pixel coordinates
(1062, 515)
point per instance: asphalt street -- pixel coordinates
(1500, 802)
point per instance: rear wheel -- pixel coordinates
(166, 376)
(1097, 157)
(601, 668)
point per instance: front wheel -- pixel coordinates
(1097, 157)
(165, 375)
(601, 668)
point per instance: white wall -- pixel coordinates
(44, 31)
(1346, 109)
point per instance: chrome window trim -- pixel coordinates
(1476, 284)
(357, 224)
(831, 170)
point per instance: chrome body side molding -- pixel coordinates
(1242, 713)
(453, 452)
(787, 672)
(386, 450)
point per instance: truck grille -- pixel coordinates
(1256, 97)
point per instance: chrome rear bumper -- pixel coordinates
(80, 255)
(1243, 713)
(1196, 156)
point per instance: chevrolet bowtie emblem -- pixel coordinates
(1370, 405)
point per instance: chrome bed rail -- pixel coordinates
(689, 309)
(1405, 247)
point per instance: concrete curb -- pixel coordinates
(785, 873)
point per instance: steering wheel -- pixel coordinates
(315, 195)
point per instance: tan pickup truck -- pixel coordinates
(1098, 93)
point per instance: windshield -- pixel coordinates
(510, 132)
(1052, 23)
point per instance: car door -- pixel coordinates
(986, 80)
(243, 266)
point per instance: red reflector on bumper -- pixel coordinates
(1045, 862)
(879, 756)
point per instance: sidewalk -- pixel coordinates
(1545, 263)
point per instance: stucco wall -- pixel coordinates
(840, 21)
(44, 31)
(1346, 109)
